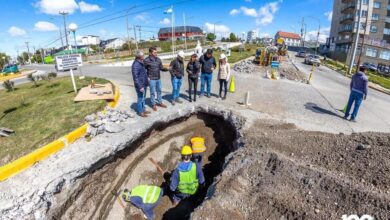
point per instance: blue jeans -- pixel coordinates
(176, 84)
(358, 99)
(141, 101)
(205, 78)
(155, 86)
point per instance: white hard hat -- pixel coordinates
(222, 56)
(181, 54)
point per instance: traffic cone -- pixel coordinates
(345, 108)
(232, 87)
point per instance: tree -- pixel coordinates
(3, 60)
(233, 37)
(211, 37)
(20, 60)
(25, 56)
(125, 46)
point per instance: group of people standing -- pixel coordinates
(146, 73)
(184, 181)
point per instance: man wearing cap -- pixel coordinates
(198, 149)
(176, 68)
(186, 178)
(141, 82)
(208, 65)
(144, 197)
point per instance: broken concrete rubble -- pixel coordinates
(245, 66)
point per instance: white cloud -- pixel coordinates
(16, 32)
(266, 13)
(45, 26)
(329, 14)
(261, 35)
(234, 12)
(165, 21)
(88, 8)
(219, 28)
(144, 17)
(249, 11)
(312, 35)
(52, 7)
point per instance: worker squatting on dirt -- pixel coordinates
(187, 177)
(144, 197)
(198, 148)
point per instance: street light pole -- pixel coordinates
(73, 27)
(356, 38)
(318, 33)
(64, 14)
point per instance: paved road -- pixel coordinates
(311, 107)
(334, 87)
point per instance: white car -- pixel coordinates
(313, 60)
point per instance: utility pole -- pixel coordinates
(302, 26)
(356, 38)
(364, 36)
(139, 32)
(64, 14)
(128, 34)
(135, 37)
(62, 40)
(28, 51)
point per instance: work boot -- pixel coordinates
(352, 120)
(190, 100)
(223, 98)
(154, 107)
(179, 101)
(208, 96)
(161, 105)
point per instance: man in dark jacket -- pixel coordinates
(141, 82)
(176, 68)
(153, 67)
(193, 70)
(359, 87)
(208, 65)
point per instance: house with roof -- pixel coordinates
(181, 32)
(290, 39)
(114, 43)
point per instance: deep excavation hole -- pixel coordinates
(96, 194)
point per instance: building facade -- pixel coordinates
(181, 32)
(252, 36)
(374, 27)
(114, 43)
(290, 39)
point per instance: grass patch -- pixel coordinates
(41, 114)
(236, 55)
(382, 81)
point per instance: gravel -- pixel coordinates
(245, 66)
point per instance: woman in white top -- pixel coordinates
(223, 75)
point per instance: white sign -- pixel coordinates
(355, 217)
(70, 61)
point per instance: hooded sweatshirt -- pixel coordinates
(207, 63)
(359, 83)
(185, 167)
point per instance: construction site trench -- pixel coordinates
(97, 194)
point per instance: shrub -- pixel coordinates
(9, 85)
(33, 79)
(52, 75)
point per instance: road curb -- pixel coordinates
(41, 153)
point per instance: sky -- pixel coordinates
(39, 23)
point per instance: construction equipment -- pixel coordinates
(282, 47)
(154, 162)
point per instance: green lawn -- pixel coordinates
(381, 80)
(41, 114)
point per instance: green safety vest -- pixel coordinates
(149, 194)
(188, 182)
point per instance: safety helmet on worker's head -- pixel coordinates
(186, 150)
(181, 54)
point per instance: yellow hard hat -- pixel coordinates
(186, 150)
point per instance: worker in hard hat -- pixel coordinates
(186, 178)
(198, 149)
(144, 197)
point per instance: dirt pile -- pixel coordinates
(245, 66)
(286, 173)
(288, 71)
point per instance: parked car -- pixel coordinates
(10, 68)
(312, 60)
(301, 54)
(370, 66)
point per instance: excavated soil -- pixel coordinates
(96, 195)
(286, 173)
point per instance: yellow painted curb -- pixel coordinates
(30, 159)
(11, 76)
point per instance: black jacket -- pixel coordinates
(207, 63)
(153, 66)
(193, 69)
(139, 75)
(176, 68)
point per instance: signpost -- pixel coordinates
(69, 62)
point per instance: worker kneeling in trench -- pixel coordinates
(186, 178)
(145, 198)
